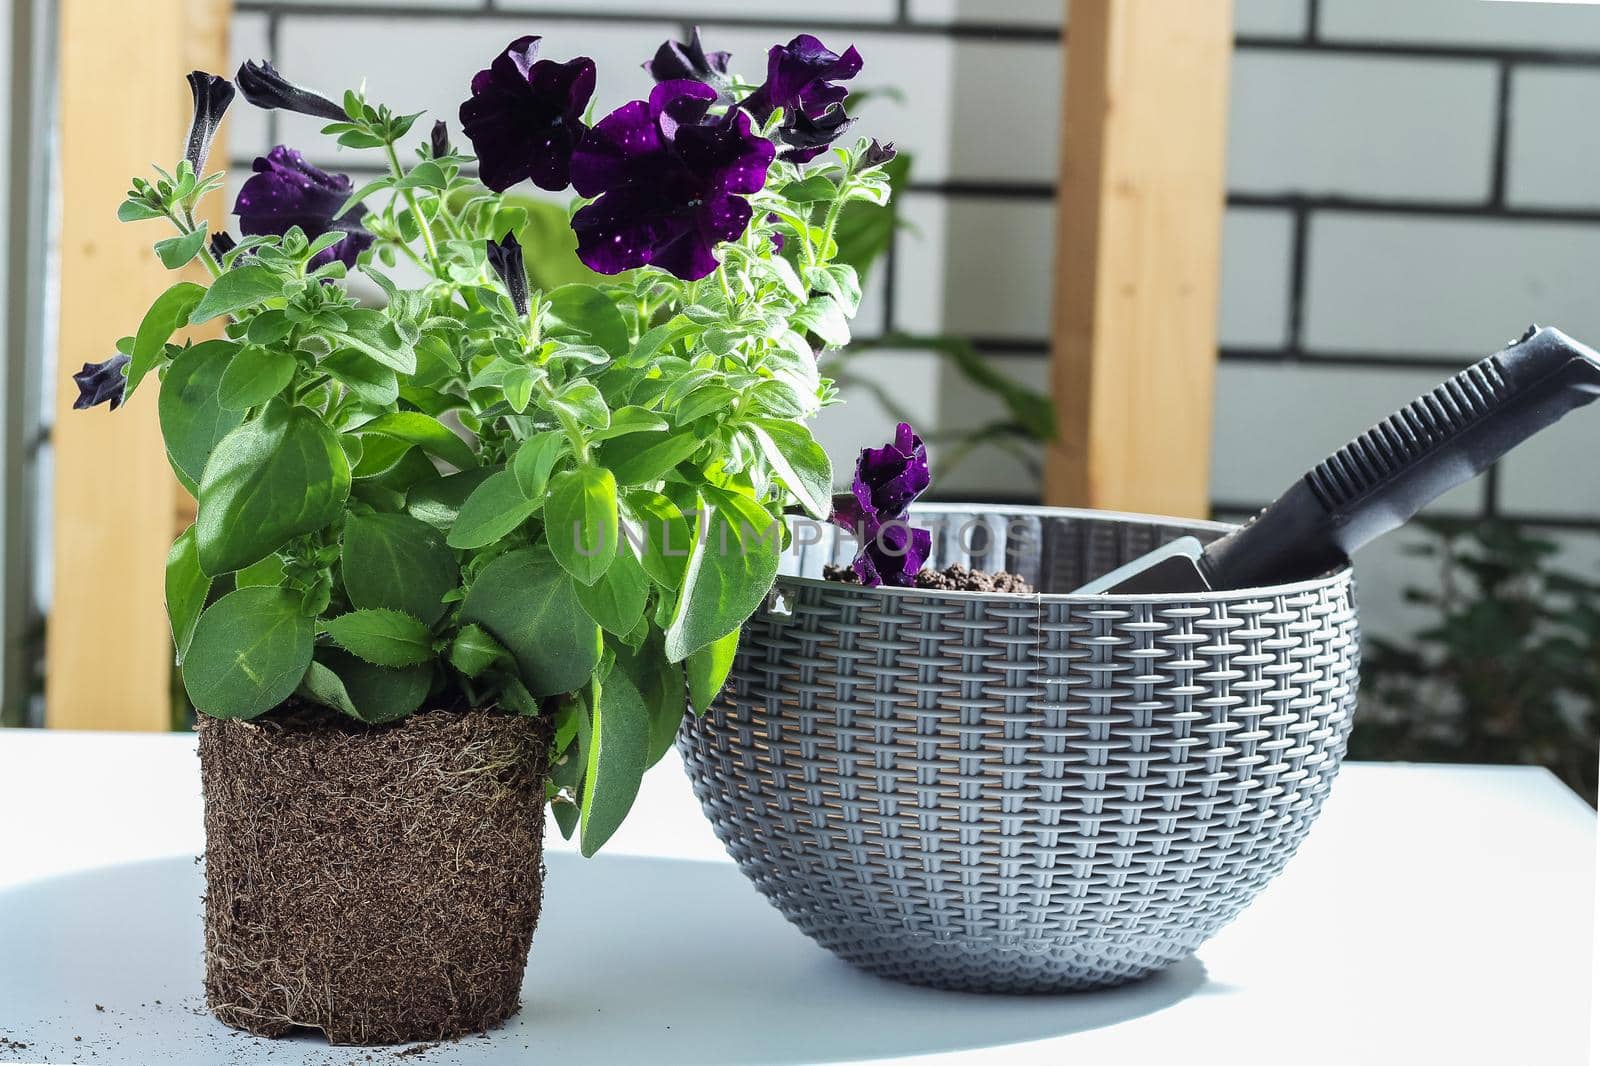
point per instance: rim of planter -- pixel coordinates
(1334, 577)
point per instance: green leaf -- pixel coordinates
(524, 600)
(582, 400)
(427, 433)
(661, 684)
(580, 521)
(270, 480)
(186, 589)
(616, 601)
(708, 670)
(398, 562)
(375, 337)
(253, 377)
(134, 211)
(535, 459)
(249, 651)
(619, 740)
(703, 401)
(371, 694)
(170, 311)
(667, 536)
(799, 460)
(382, 637)
(495, 508)
(584, 313)
(825, 317)
(437, 501)
(630, 419)
(192, 419)
(242, 287)
(641, 458)
(731, 568)
(176, 252)
(370, 380)
(268, 572)
(474, 650)
(269, 327)
(817, 188)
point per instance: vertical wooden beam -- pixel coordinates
(108, 648)
(1138, 237)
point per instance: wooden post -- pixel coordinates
(1138, 236)
(123, 106)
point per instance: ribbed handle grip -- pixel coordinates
(1385, 476)
(1407, 436)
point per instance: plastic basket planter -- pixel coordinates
(1024, 793)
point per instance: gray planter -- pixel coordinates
(1024, 793)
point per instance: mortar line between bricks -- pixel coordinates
(1502, 136)
(1299, 252)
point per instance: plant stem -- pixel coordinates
(416, 213)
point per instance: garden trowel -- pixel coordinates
(1383, 477)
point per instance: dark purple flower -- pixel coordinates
(264, 87)
(670, 180)
(222, 243)
(877, 154)
(286, 191)
(439, 140)
(887, 480)
(799, 78)
(893, 556)
(806, 138)
(100, 383)
(506, 259)
(212, 95)
(525, 116)
(777, 238)
(691, 62)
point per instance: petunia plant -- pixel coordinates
(471, 492)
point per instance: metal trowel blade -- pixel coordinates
(1173, 567)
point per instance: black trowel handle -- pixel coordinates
(1385, 476)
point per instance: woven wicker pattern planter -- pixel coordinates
(1025, 793)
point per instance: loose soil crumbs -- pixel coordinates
(953, 578)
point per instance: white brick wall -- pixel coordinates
(1443, 286)
(1482, 23)
(1553, 160)
(1360, 126)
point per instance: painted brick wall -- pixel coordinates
(1410, 185)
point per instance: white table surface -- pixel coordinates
(1435, 914)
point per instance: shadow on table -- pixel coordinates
(636, 960)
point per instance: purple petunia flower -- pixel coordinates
(893, 556)
(690, 61)
(525, 116)
(806, 137)
(800, 76)
(878, 155)
(264, 87)
(100, 383)
(887, 479)
(505, 258)
(212, 95)
(287, 191)
(439, 140)
(670, 180)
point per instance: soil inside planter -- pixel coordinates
(953, 578)
(380, 884)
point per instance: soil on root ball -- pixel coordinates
(953, 578)
(379, 883)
